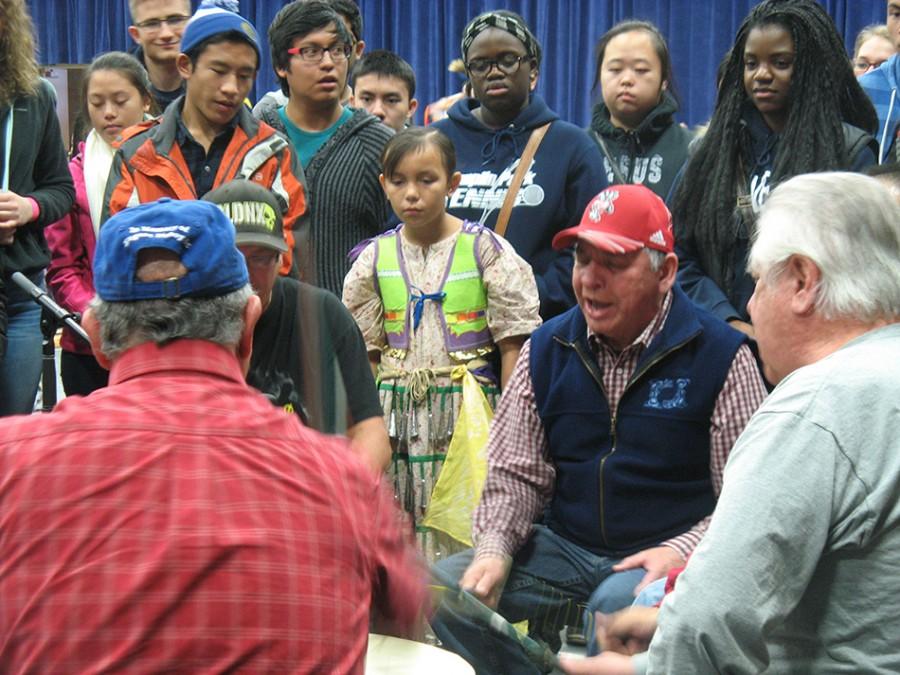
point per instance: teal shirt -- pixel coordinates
(307, 143)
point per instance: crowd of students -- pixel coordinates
(438, 240)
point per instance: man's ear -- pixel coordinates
(360, 47)
(244, 348)
(413, 106)
(133, 31)
(667, 272)
(184, 65)
(92, 328)
(804, 277)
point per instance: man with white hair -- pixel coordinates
(793, 574)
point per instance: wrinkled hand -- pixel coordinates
(485, 579)
(628, 631)
(606, 663)
(746, 328)
(657, 561)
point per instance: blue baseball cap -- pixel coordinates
(218, 16)
(198, 232)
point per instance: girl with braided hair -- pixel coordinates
(788, 104)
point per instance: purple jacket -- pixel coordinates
(71, 240)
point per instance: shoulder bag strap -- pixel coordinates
(524, 162)
(617, 172)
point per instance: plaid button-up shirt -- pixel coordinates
(521, 477)
(178, 521)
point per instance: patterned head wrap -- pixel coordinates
(509, 22)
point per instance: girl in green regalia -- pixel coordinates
(435, 298)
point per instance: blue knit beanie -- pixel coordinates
(217, 16)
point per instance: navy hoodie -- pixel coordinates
(566, 173)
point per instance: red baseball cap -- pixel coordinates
(621, 219)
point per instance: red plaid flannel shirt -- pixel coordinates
(176, 521)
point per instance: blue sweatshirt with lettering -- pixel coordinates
(566, 172)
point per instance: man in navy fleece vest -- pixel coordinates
(605, 456)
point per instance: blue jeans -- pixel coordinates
(20, 369)
(549, 577)
(603, 600)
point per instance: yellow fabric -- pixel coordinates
(459, 484)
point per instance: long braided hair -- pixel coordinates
(823, 94)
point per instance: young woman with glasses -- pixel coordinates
(490, 132)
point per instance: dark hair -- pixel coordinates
(659, 46)
(297, 20)
(128, 67)
(350, 11)
(415, 139)
(812, 140)
(385, 63)
(197, 50)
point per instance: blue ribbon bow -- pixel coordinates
(419, 306)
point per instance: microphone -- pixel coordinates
(39, 295)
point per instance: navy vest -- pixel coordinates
(632, 482)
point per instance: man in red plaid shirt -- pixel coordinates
(606, 453)
(176, 520)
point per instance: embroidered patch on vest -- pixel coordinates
(668, 394)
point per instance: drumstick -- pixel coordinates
(470, 606)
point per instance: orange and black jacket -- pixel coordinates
(149, 165)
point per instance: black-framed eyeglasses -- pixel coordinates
(507, 63)
(173, 21)
(313, 54)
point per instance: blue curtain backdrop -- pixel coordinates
(426, 33)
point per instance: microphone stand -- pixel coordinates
(48, 360)
(52, 316)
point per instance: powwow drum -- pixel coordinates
(395, 656)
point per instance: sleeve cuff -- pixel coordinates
(492, 546)
(35, 209)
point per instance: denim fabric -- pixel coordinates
(615, 593)
(549, 576)
(20, 369)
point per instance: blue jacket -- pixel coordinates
(881, 86)
(633, 480)
(566, 173)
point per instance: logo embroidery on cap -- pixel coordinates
(258, 214)
(658, 238)
(603, 203)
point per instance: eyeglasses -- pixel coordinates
(174, 21)
(865, 66)
(507, 63)
(313, 54)
(262, 261)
